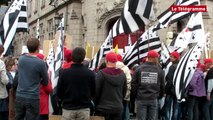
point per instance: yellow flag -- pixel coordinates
(87, 47)
(116, 49)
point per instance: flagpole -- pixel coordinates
(148, 38)
(138, 41)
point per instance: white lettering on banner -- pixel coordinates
(149, 77)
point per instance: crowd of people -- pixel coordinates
(113, 91)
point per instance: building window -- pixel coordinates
(51, 36)
(35, 6)
(50, 25)
(41, 28)
(30, 7)
(34, 32)
(41, 37)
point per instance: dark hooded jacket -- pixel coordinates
(111, 88)
(148, 81)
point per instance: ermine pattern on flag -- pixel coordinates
(208, 41)
(190, 32)
(145, 43)
(185, 70)
(104, 49)
(38, 30)
(197, 29)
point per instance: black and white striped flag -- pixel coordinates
(148, 41)
(38, 30)
(104, 49)
(131, 21)
(22, 25)
(190, 32)
(169, 17)
(59, 55)
(185, 70)
(142, 8)
(15, 20)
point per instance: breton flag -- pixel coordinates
(185, 70)
(142, 8)
(142, 46)
(208, 40)
(15, 20)
(104, 49)
(185, 35)
(50, 61)
(188, 63)
(131, 21)
(190, 32)
(207, 44)
(169, 17)
(37, 30)
(22, 25)
(197, 29)
(59, 55)
(50, 57)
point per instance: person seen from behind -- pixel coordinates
(76, 88)
(111, 86)
(148, 82)
(32, 73)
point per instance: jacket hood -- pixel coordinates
(113, 76)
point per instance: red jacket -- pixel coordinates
(44, 97)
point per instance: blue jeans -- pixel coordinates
(171, 108)
(146, 109)
(26, 108)
(126, 115)
(208, 109)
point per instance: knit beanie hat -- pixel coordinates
(175, 54)
(152, 53)
(111, 57)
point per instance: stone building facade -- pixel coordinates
(89, 20)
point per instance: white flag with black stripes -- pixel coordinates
(148, 41)
(169, 17)
(15, 20)
(136, 14)
(104, 49)
(59, 54)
